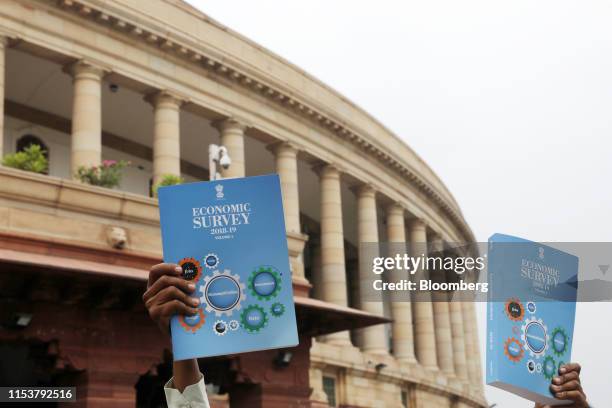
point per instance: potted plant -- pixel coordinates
(32, 158)
(108, 174)
(167, 180)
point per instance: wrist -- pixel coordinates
(186, 372)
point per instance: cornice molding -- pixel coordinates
(217, 65)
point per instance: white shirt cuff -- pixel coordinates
(193, 396)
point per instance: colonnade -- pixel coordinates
(434, 335)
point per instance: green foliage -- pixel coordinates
(168, 180)
(108, 174)
(32, 158)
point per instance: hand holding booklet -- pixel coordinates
(530, 316)
(229, 238)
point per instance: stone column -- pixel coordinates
(472, 347)
(3, 43)
(286, 166)
(457, 330)
(232, 137)
(166, 135)
(401, 309)
(442, 325)
(425, 338)
(86, 144)
(373, 338)
(333, 270)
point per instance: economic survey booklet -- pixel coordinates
(530, 315)
(229, 238)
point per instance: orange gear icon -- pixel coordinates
(192, 270)
(514, 309)
(515, 353)
(193, 327)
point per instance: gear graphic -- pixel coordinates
(277, 309)
(192, 270)
(514, 309)
(234, 325)
(264, 283)
(211, 261)
(513, 349)
(253, 318)
(222, 293)
(535, 336)
(559, 341)
(220, 328)
(549, 367)
(192, 323)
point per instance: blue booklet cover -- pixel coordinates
(229, 237)
(530, 315)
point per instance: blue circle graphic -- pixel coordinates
(222, 292)
(535, 335)
(514, 350)
(254, 317)
(264, 283)
(192, 320)
(559, 342)
(211, 260)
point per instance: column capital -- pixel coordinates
(436, 242)
(83, 69)
(395, 208)
(364, 190)
(231, 123)
(417, 223)
(327, 170)
(165, 98)
(284, 147)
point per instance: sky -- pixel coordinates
(509, 102)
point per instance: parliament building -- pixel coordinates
(154, 83)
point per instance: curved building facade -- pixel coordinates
(156, 83)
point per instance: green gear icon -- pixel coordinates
(253, 318)
(272, 274)
(559, 346)
(277, 309)
(549, 367)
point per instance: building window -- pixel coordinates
(26, 141)
(329, 388)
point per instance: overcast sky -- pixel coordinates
(510, 102)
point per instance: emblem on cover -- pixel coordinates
(219, 189)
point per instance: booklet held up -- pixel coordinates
(229, 238)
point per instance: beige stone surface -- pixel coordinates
(401, 309)
(166, 135)
(3, 42)
(442, 324)
(333, 285)
(373, 338)
(458, 335)
(86, 115)
(424, 333)
(232, 137)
